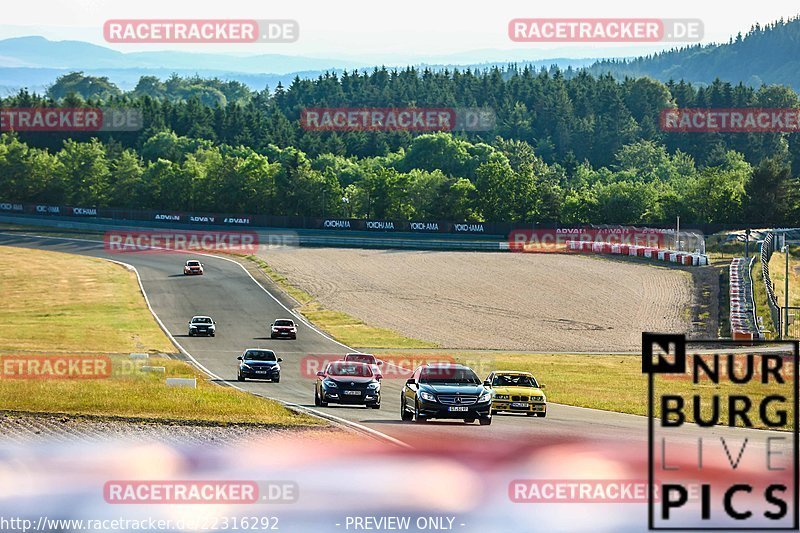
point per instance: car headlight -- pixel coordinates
(374, 386)
(502, 397)
(537, 398)
(192, 327)
(246, 367)
(330, 383)
(427, 396)
(276, 368)
(485, 396)
(274, 329)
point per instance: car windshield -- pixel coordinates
(361, 358)
(260, 355)
(193, 263)
(448, 374)
(347, 369)
(514, 380)
(201, 320)
(284, 323)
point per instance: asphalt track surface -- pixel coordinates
(243, 309)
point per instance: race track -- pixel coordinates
(244, 309)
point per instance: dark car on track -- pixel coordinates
(202, 325)
(348, 383)
(259, 364)
(283, 328)
(446, 390)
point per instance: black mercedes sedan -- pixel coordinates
(347, 382)
(446, 390)
(259, 364)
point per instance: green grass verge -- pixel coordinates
(777, 271)
(55, 303)
(341, 326)
(65, 303)
(129, 392)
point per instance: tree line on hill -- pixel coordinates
(569, 149)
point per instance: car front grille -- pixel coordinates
(519, 398)
(458, 399)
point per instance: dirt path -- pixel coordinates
(530, 302)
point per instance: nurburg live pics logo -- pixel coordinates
(748, 478)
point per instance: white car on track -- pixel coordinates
(202, 325)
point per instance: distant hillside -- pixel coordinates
(38, 52)
(768, 54)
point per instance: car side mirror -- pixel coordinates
(380, 363)
(240, 358)
(280, 360)
(541, 385)
(410, 381)
(379, 377)
(320, 374)
(487, 383)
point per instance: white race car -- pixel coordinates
(193, 267)
(202, 325)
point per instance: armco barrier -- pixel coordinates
(242, 221)
(302, 238)
(742, 312)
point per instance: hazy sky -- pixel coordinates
(372, 28)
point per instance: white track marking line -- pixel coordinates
(319, 414)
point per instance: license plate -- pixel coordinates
(519, 405)
(261, 371)
(353, 392)
(458, 409)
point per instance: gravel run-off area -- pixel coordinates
(24, 428)
(501, 301)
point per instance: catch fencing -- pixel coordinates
(767, 249)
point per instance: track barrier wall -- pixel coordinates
(648, 243)
(651, 243)
(742, 306)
